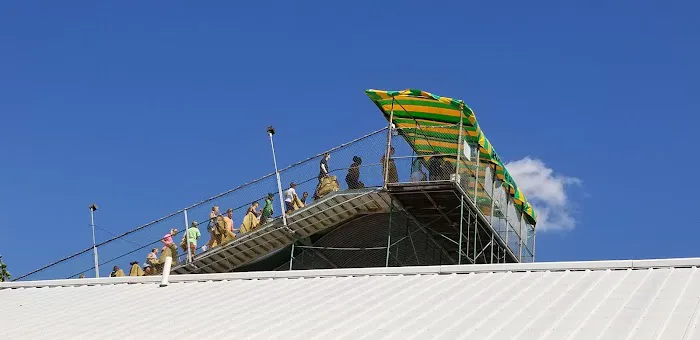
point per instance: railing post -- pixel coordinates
(166, 271)
(271, 132)
(187, 238)
(93, 208)
(388, 145)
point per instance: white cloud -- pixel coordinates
(546, 191)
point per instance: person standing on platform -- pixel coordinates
(193, 235)
(211, 227)
(323, 166)
(393, 175)
(228, 219)
(353, 176)
(267, 211)
(289, 197)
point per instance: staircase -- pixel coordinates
(322, 215)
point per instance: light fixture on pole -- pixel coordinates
(93, 208)
(271, 132)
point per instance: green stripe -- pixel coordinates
(424, 115)
(429, 149)
(372, 95)
(402, 116)
(426, 123)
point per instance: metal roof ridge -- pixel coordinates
(376, 271)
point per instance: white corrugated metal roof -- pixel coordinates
(649, 299)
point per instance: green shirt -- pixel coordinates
(267, 209)
(193, 234)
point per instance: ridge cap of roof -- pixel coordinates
(375, 271)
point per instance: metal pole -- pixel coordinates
(166, 271)
(388, 147)
(493, 202)
(187, 237)
(291, 257)
(93, 208)
(534, 244)
(520, 250)
(388, 241)
(461, 222)
(505, 218)
(476, 177)
(492, 231)
(469, 223)
(461, 197)
(459, 151)
(270, 132)
(476, 229)
(493, 187)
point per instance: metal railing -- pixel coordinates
(436, 153)
(363, 155)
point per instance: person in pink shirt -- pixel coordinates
(168, 238)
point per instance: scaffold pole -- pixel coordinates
(461, 223)
(534, 242)
(291, 257)
(476, 229)
(460, 149)
(520, 244)
(388, 241)
(388, 146)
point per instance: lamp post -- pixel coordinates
(93, 208)
(271, 132)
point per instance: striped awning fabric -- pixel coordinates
(429, 123)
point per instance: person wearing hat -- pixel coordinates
(168, 239)
(267, 209)
(353, 176)
(193, 234)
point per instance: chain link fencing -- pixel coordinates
(352, 165)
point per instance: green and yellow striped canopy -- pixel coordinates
(428, 122)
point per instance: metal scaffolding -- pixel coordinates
(404, 208)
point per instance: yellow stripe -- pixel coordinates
(426, 99)
(468, 133)
(439, 124)
(471, 119)
(421, 108)
(426, 142)
(429, 129)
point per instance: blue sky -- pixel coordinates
(124, 104)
